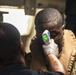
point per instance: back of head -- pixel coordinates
(9, 42)
(48, 15)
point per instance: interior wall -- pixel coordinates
(12, 2)
(59, 4)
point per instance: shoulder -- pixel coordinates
(48, 73)
(69, 32)
(68, 50)
(44, 73)
(69, 38)
(31, 72)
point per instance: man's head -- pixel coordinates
(50, 19)
(10, 43)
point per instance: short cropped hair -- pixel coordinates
(49, 15)
(9, 42)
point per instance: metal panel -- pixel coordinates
(59, 4)
(30, 6)
(12, 2)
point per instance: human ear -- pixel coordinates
(63, 26)
(22, 49)
(21, 46)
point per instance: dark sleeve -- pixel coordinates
(52, 73)
(48, 73)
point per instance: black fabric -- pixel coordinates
(70, 4)
(20, 69)
(70, 12)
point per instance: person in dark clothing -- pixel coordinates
(12, 54)
(70, 13)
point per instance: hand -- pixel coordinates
(51, 48)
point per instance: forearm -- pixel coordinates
(55, 63)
